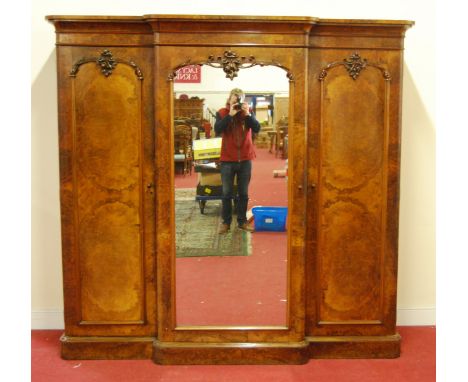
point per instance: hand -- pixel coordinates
(245, 108)
(232, 111)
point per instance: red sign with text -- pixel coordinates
(189, 74)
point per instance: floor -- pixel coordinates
(416, 364)
(242, 290)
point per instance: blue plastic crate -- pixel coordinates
(270, 218)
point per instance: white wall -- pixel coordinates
(416, 283)
(214, 87)
(254, 79)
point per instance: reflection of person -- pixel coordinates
(235, 124)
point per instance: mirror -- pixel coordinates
(237, 278)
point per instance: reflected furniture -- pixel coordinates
(192, 110)
(281, 147)
(280, 109)
(272, 141)
(183, 152)
(116, 138)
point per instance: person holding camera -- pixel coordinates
(235, 124)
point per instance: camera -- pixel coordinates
(238, 105)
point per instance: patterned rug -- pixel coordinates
(197, 233)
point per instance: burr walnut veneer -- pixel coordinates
(116, 164)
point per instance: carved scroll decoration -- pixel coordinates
(107, 63)
(354, 64)
(231, 63)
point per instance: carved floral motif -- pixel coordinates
(354, 64)
(231, 63)
(107, 63)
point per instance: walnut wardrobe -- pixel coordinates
(115, 102)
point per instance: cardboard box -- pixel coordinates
(207, 148)
(209, 179)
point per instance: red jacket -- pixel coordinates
(237, 135)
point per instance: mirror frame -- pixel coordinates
(171, 59)
(188, 39)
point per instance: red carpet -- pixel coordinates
(239, 290)
(416, 364)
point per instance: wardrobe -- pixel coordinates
(115, 100)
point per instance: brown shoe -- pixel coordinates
(223, 228)
(246, 227)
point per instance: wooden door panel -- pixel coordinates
(352, 196)
(293, 60)
(109, 138)
(353, 131)
(108, 172)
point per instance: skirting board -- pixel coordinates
(53, 319)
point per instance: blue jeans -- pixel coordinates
(243, 171)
